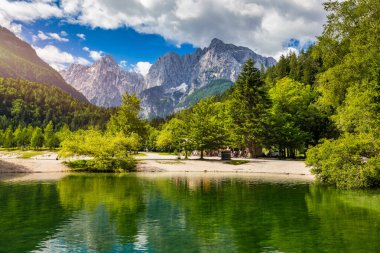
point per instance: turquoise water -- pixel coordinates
(202, 213)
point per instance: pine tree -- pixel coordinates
(249, 108)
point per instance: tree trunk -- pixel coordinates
(184, 148)
(252, 152)
(202, 154)
(185, 153)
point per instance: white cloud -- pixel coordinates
(64, 33)
(95, 55)
(123, 64)
(142, 67)
(30, 10)
(58, 59)
(81, 36)
(286, 52)
(57, 37)
(42, 36)
(6, 22)
(49, 36)
(262, 25)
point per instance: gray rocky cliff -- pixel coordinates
(179, 76)
(104, 82)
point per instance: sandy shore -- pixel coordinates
(253, 166)
(153, 162)
(44, 163)
(16, 165)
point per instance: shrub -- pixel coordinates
(103, 165)
(352, 161)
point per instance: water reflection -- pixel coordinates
(191, 213)
(29, 213)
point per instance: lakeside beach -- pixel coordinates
(154, 162)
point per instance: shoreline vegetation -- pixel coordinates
(321, 104)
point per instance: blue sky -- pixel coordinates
(137, 32)
(124, 44)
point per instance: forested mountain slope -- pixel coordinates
(19, 60)
(29, 103)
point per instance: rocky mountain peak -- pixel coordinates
(215, 42)
(173, 78)
(107, 60)
(104, 82)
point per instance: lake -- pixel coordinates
(185, 213)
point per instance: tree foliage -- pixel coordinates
(249, 108)
(109, 152)
(207, 130)
(37, 140)
(349, 89)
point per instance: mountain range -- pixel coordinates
(20, 61)
(173, 82)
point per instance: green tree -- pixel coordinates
(50, 139)
(352, 161)
(359, 111)
(349, 48)
(249, 109)
(207, 130)
(127, 117)
(37, 140)
(174, 134)
(349, 87)
(1, 137)
(110, 151)
(150, 142)
(18, 136)
(8, 139)
(292, 116)
(63, 133)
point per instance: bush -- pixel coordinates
(109, 151)
(103, 165)
(352, 161)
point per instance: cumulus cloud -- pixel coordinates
(56, 36)
(63, 33)
(95, 55)
(285, 52)
(142, 67)
(262, 25)
(6, 22)
(81, 36)
(30, 10)
(49, 36)
(58, 59)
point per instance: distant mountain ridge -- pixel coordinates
(173, 77)
(104, 82)
(19, 60)
(170, 80)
